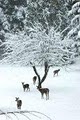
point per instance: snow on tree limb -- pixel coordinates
(9, 114)
(37, 48)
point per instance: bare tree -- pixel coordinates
(46, 69)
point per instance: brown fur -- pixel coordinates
(44, 91)
(56, 72)
(25, 86)
(34, 79)
(19, 102)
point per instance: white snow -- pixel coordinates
(79, 34)
(77, 4)
(64, 101)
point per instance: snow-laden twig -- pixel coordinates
(7, 114)
(15, 115)
(25, 116)
(42, 114)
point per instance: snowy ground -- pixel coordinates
(64, 102)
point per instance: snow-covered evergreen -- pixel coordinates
(39, 30)
(73, 33)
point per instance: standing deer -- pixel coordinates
(44, 91)
(19, 102)
(56, 72)
(34, 79)
(25, 86)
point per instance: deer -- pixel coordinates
(34, 79)
(25, 86)
(44, 91)
(19, 102)
(56, 72)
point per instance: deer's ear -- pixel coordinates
(15, 98)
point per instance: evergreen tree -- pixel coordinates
(73, 33)
(47, 13)
(14, 12)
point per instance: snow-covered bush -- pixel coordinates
(37, 47)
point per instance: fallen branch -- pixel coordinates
(23, 112)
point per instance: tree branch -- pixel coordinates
(34, 113)
(46, 72)
(46, 69)
(35, 70)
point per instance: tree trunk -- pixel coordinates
(46, 69)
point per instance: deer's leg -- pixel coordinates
(24, 89)
(54, 74)
(19, 107)
(48, 95)
(29, 89)
(42, 96)
(33, 81)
